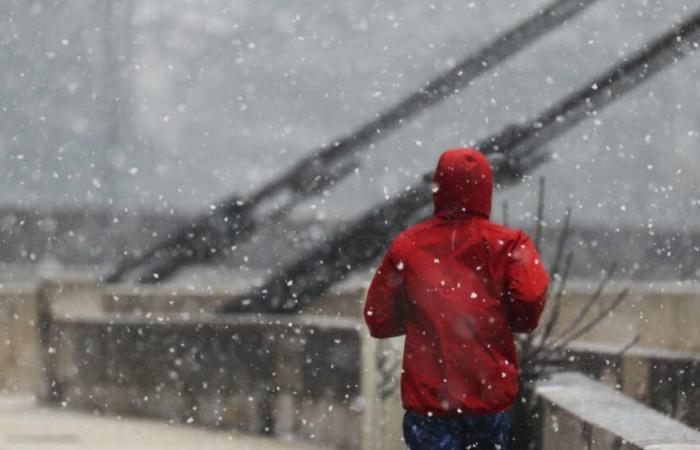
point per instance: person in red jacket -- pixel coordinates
(458, 286)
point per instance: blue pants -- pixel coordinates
(457, 432)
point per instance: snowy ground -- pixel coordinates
(24, 425)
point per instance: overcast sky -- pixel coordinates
(219, 97)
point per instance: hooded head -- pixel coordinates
(464, 180)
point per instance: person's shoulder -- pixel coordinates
(415, 230)
(501, 229)
(407, 238)
(504, 233)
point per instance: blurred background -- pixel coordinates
(131, 125)
(120, 117)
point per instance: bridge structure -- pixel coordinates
(515, 151)
(235, 219)
(250, 362)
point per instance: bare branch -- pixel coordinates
(592, 301)
(629, 345)
(540, 213)
(561, 244)
(592, 324)
(556, 309)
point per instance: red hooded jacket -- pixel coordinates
(458, 286)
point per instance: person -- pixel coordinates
(458, 286)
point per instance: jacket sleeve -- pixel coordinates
(526, 282)
(384, 304)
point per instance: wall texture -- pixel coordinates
(579, 413)
(317, 377)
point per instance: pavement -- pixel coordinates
(24, 425)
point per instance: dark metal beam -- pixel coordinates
(520, 148)
(235, 219)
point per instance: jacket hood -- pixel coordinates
(464, 184)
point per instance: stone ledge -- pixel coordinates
(591, 409)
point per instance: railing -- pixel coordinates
(579, 413)
(149, 352)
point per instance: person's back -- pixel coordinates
(458, 286)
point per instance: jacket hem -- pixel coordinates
(458, 412)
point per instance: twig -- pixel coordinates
(629, 345)
(556, 309)
(561, 244)
(592, 301)
(526, 342)
(590, 325)
(540, 213)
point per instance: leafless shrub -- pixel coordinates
(545, 351)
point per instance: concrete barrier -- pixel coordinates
(291, 377)
(343, 301)
(579, 413)
(159, 352)
(303, 378)
(19, 343)
(663, 314)
(664, 380)
(318, 379)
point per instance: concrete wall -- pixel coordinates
(293, 378)
(663, 314)
(19, 348)
(661, 379)
(579, 413)
(318, 379)
(157, 352)
(345, 301)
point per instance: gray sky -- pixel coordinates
(218, 97)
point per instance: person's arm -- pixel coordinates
(526, 285)
(383, 306)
